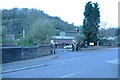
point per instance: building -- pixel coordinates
(64, 38)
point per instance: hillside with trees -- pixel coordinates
(36, 24)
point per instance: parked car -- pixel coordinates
(68, 47)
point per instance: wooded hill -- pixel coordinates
(17, 19)
(38, 26)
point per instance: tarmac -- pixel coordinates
(23, 65)
(35, 62)
(95, 47)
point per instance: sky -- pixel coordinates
(69, 10)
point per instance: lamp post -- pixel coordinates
(23, 33)
(98, 40)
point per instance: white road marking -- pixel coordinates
(114, 61)
(68, 75)
(88, 57)
(24, 68)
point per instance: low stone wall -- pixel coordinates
(11, 54)
(8, 44)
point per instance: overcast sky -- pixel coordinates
(68, 10)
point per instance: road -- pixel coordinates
(101, 63)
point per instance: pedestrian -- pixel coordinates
(55, 48)
(56, 45)
(51, 46)
(77, 45)
(80, 46)
(72, 47)
(86, 44)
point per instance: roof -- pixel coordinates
(64, 41)
(63, 37)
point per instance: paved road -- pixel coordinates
(101, 63)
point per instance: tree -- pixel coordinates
(35, 22)
(106, 33)
(4, 31)
(40, 33)
(118, 34)
(91, 22)
(80, 36)
(17, 19)
(0, 26)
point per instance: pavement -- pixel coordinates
(96, 47)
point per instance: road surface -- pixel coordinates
(101, 63)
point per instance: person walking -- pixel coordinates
(55, 48)
(77, 45)
(72, 47)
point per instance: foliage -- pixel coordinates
(91, 21)
(42, 32)
(118, 35)
(17, 19)
(39, 34)
(8, 41)
(117, 32)
(80, 36)
(26, 42)
(105, 33)
(38, 26)
(4, 31)
(0, 40)
(1, 33)
(105, 42)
